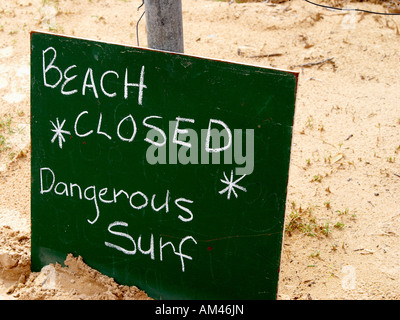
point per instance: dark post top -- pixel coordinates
(164, 25)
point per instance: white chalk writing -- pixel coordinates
(94, 82)
(52, 72)
(136, 200)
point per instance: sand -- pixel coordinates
(343, 206)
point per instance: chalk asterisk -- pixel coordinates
(232, 185)
(58, 132)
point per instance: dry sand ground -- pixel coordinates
(342, 234)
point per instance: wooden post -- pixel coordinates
(164, 25)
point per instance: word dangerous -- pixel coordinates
(137, 200)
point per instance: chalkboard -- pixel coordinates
(165, 171)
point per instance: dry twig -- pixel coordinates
(267, 55)
(311, 64)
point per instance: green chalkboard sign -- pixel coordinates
(164, 171)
